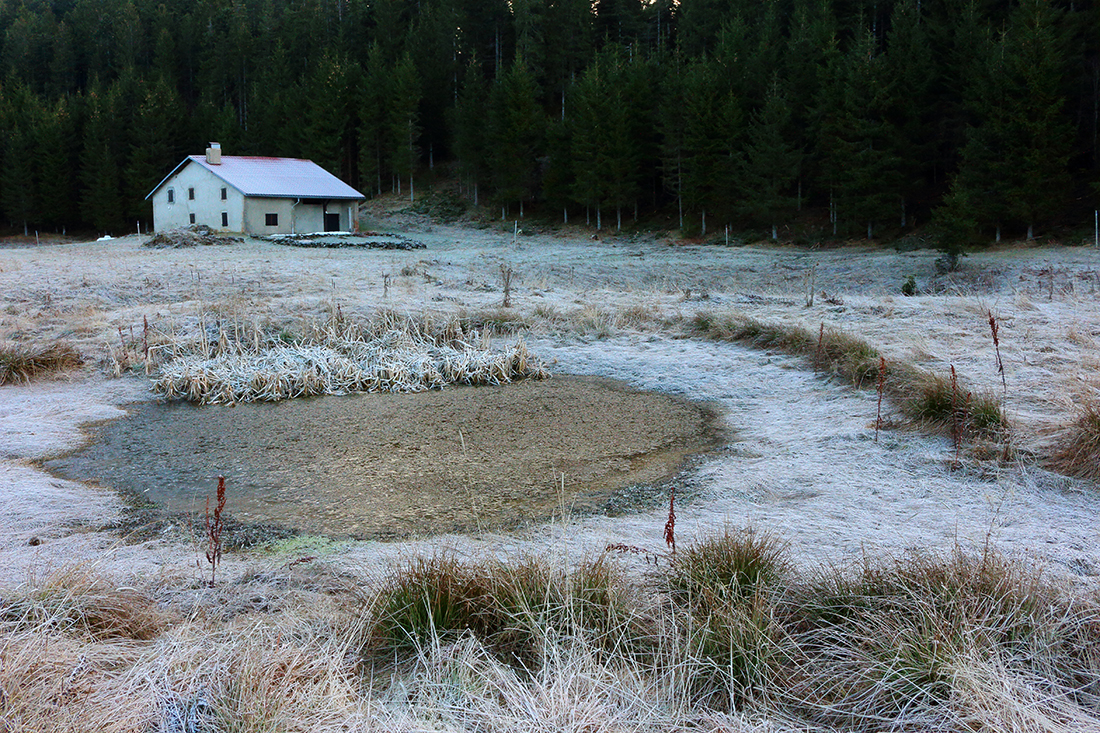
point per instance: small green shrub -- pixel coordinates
(510, 608)
(909, 287)
(728, 569)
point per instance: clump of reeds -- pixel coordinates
(339, 356)
(22, 363)
(1078, 451)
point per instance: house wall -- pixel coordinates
(256, 210)
(303, 217)
(207, 206)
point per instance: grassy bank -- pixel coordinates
(726, 635)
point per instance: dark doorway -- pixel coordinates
(332, 222)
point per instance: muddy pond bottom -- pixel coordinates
(378, 465)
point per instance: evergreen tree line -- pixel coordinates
(980, 114)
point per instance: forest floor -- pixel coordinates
(799, 457)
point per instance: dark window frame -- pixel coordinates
(191, 218)
(191, 193)
(225, 193)
(225, 218)
(271, 220)
(171, 196)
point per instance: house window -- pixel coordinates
(191, 194)
(191, 217)
(271, 220)
(225, 193)
(171, 196)
(225, 217)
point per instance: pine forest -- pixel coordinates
(972, 119)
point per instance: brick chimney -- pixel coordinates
(214, 154)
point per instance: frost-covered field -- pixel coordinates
(801, 460)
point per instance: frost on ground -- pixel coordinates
(275, 639)
(801, 459)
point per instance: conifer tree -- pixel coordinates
(770, 165)
(913, 70)
(469, 128)
(1014, 167)
(855, 138)
(517, 131)
(711, 142)
(55, 148)
(327, 117)
(404, 122)
(20, 115)
(154, 146)
(373, 132)
(101, 203)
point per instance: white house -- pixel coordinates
(254, 195)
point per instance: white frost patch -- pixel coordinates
(42, 419)
(803, 462)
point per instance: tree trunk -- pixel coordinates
(599, 218)
(775, 232)
(1030, 232)
(618, 218)
(704, 232)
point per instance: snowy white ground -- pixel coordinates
(802, 460)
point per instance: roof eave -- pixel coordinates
(175, 170)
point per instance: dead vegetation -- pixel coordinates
(728, 634)
(1077, 452)
(23, 363)
(192, 236)
(388, 354)
(926, 399)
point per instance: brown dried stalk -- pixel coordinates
(820, 344)
(995, 328)
(670, 525)
(506, 276)
(881, 390)
(214, 529)
(955, 428)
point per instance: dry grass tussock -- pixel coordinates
(925, 398)
(725, 635)
(1078, 451)
(22, 363)
(387, 354)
